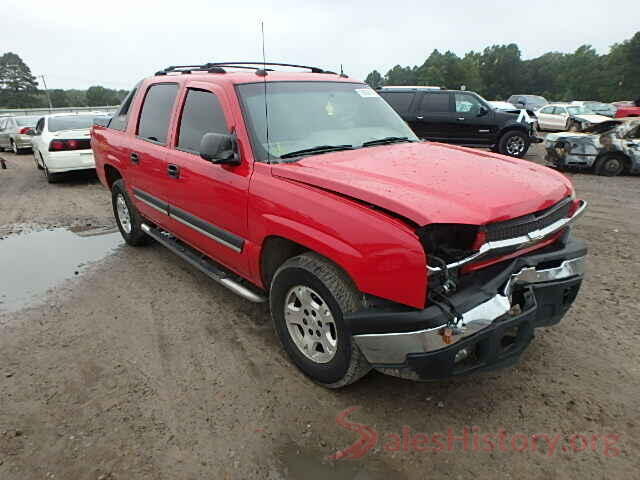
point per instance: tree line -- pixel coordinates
(19, 89)
(499, 71)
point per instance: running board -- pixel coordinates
(204, 264)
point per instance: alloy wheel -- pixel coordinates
(124, 218)
(515, 145)
(310, 324)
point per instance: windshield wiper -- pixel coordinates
(317, 149)
(385, 141)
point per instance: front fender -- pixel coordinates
(382, 255)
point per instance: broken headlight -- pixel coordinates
(448, 241)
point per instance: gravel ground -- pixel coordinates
(112, 376)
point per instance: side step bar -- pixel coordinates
(202, 263)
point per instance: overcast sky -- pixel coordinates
(114, 43)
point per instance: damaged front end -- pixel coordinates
(489, 287)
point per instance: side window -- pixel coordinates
(399, 101)
(547, 110)
(435, 103)
(560, 111)
(466, 103)
(156, 112)
(201, 114)
(120, 118)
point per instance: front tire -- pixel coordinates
(127, 216)
(14, 148)
(309, 297)
(610, 165)
(514, 143)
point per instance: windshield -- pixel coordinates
(70, 122)
(26, 121)
(580, 111)
(307, 115)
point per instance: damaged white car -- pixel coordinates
(567, 117)
(609, 148)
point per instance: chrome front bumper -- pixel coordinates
(393, 348)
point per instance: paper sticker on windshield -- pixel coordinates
(366, 92)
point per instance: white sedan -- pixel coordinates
(61, 143)
(562, 116)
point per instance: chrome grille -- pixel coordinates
(520, 226)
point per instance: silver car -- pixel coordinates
(14, 133)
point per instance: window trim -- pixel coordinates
(185, 96)
(171, 113)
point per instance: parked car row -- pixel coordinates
(60, 142)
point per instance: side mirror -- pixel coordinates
(483, 111)
(220, 148)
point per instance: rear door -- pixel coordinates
(146, 154)
(400, 101)
(208, 202)
(545, 117)
(433, 116)
(560, 118)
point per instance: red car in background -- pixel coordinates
(627, 109)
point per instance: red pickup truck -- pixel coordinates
(375, 250)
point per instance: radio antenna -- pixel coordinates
(263, 73)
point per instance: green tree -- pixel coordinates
(501, 70)
(99, 96)
(59, 98)
(401, 76)
(17, 85)
(374, 79)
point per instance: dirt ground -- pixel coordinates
(139, 367)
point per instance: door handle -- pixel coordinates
(173, 170)
(461, 118)
(134, 158)
(419, 117)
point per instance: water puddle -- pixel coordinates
(32, 263)
(311, 465)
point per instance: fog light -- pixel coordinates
(461, 355)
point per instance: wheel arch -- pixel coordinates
(111, 174)
(626, 160)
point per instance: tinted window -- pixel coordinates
(119, 120)
(156, 112)
(201, 114)
(70, 122)
(434, 103)
(400, 101)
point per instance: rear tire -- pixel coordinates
(309, 296)
(51, 177)
(610, 165)
(127, 216)
(514, 144)
(14, 148)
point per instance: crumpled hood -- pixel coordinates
(593, 118)
(433, 183)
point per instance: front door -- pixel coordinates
(433, 118)
(208, 202)
(474, 121)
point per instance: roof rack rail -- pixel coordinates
(217, 67)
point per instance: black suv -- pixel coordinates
(461, 117)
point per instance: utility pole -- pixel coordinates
(47, 92)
